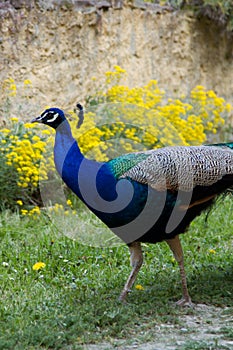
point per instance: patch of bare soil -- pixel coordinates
(206, 329)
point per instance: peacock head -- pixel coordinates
(55, 117)
(52, 117)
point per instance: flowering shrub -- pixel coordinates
(22, 164)
(118, 120)
(142, 118)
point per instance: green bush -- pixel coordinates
(219, 11)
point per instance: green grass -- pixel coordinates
(74, 299)
(202, 345)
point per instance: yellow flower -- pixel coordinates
(35, 138)
(27, 82)
(45, 132)
(24, 185)
(29, 125)
(5, 131)
(68, 202)
(19, 202)
(35, 210)
(23, 211)
(139, 287)
(9, 80)
(38, 266)
(14, 119)
(212, 251)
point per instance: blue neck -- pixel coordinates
(64, 141)
(80, 174)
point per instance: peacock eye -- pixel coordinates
(53, 117)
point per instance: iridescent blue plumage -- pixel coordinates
(146, 196)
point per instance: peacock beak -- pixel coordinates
(36, 120)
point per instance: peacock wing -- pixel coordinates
(178, 168)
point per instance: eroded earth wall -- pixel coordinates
(61, 49)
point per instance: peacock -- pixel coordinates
(147, 196)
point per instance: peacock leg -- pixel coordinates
(136, 260)
(176, 248)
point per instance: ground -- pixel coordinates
(203, 330)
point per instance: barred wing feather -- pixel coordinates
(181, 167)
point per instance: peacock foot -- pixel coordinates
(185, 302)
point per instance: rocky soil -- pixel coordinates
(204, 330)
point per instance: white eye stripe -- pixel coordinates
(53, 118)
(42, 116)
